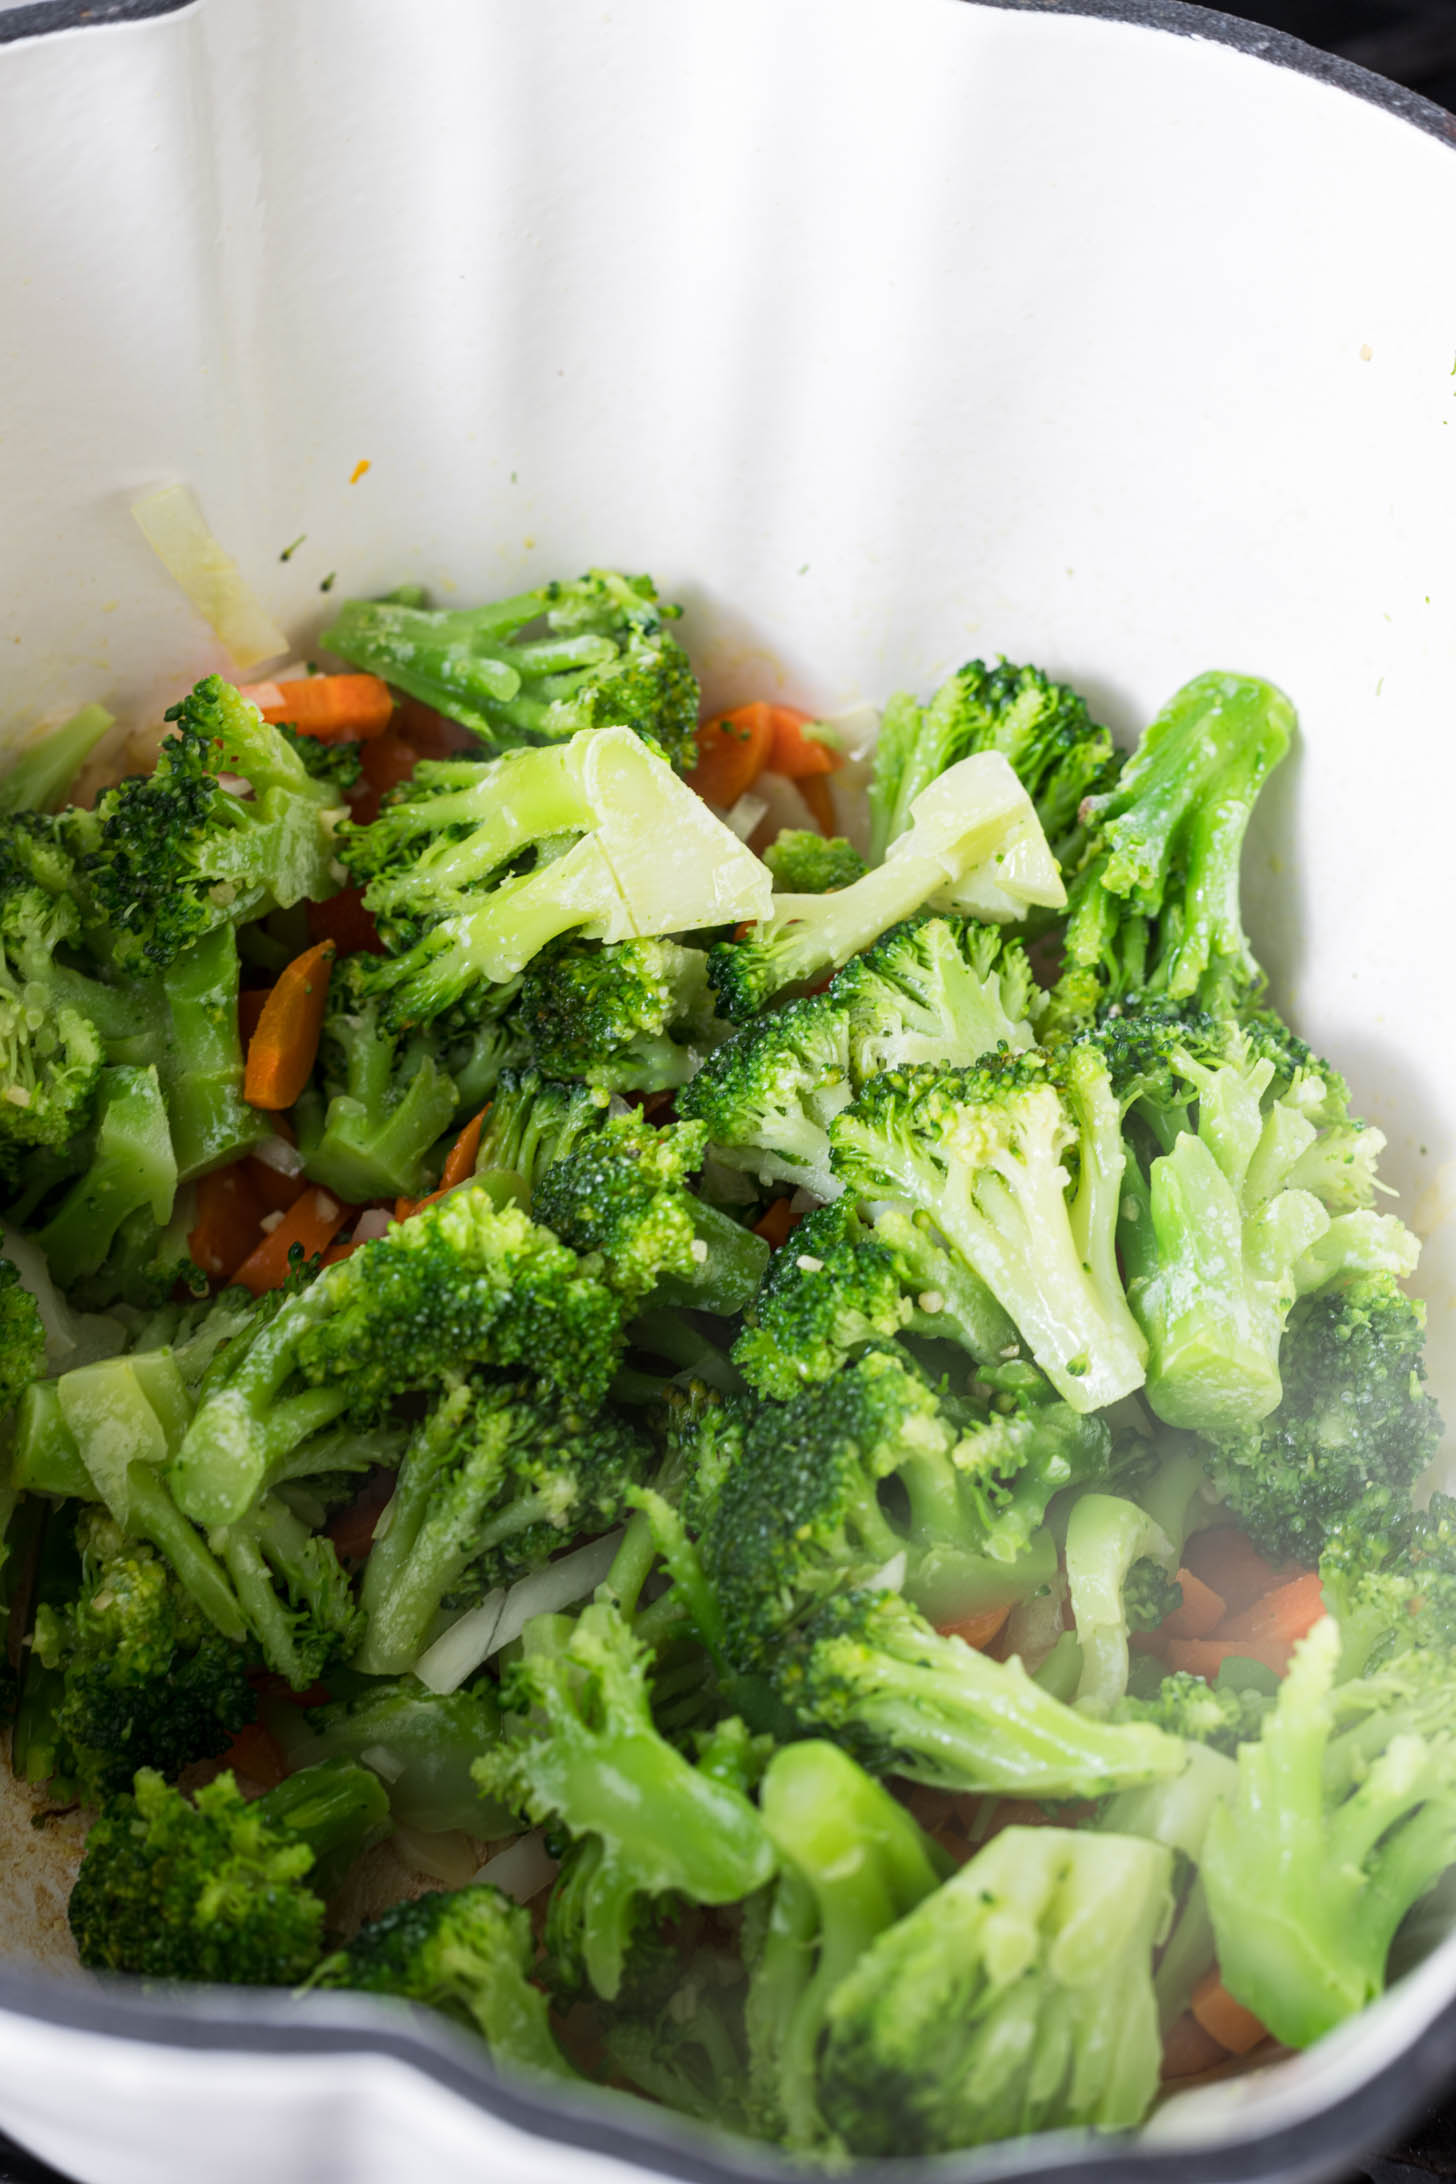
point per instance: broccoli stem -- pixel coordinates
(726, 1277)
(202, 1064)
(334, 1808)
(45, 769)
(132, 1165)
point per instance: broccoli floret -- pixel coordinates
(937, 990)
(1248, 1185)
(466, 1953)
(1353, 1431)
(974, 845)
(22, 1337)
(1221, 1715)
(199, 1055)
(474, 869)
(389, 1101)
(1019, 1997)
(146, 1680)
(1392, 1583)
(1331, 1840)
(637, 1017)
(1119, 1577)
(494, 1481)
(980, 1152)
(603, 657)
(463, 1282)
(581, 1752)
(421, 1743)
(768, 1096)
(341, 765)
(686, 2051)
(533, 1122)
(870, 1472)
(851, 1862)
(805, 863)
(216, 1888)
(868, 1671)
(295, 1593)
(131, 1166)
(168, 856)
(1041, 727)
(39, 777)
(623, 1193)
(1154, 906)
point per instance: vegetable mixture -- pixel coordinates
(825, 1430)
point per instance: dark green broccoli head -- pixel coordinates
(805, 863)
(1392, 1585)
(463, 1281)
(22, 1337)
(830, 1291)
(937, 989)
(168, 856)
(51, 1053)
(1352, 1432)
(340, 765)
(1149, 1595)
(466, 1953)
(390, 1098)
(1041, 727)
(146, 1680)
(535, 1121)
(215, 1888)
(623, 1194)
(633, 1017)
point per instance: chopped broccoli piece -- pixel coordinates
(132, 1165)
(851, 1862)
(146, 1680)
(1154, 905)
(168, 856)
(603, 658)
(1119, 1564)
(535, 1121)
(974, 845)
(1040, 727)
(341, 765)
(637, 1017)
(1221, 1715)
(22, 1337)
(869, 1672)
(389, 1101)
(937, 990)
(805, 863)
(768, 1096)
(494, 1481)
(217, 1888)
(466, 1953)
(623, 1193)
(1353, 1431)
(473, 870)
(980, 1152)
(463, 1282)
(199, 1057)
(1330, 1841)
(581, 1751)
(1019, 1997)
(1392, 1583)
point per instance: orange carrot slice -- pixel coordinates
(1188, 2049)
(229, 1218)
(979, 1629)
(732, 752)
(254, 1753)
(387, 761)
(1224, 2019)
(1290, 1612)
(777, 1224)
(819, 797)
(1228, 1560)
(796, 754)
(1201, 1611)
(331, 708)
(282, 1050)
(312, 1223)
(344, 920)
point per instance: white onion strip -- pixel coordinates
(175, 528)
(502, 1616)
(522, 1869)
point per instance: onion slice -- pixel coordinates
(502, 1616)
(522, 1869)
(175, 528)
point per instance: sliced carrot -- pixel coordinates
(344, 920)
(275, 1191)
(1200, 1612)
(1289, 1612)
(387, 761)
(282, 1051)
(1224, 2019)
(819, 797)
(977, 1630)
(254, 1753)
(337, 1254)
(229, 1217)
(250, 1008)
(352, 1530)
(313, 1223)
(732, 752)
(459, 1163)
(795, 754)
(777, 1224)
(1188, 2049)
(1205, 1656)
(430, 733)
(269, 1685)
(1228, 1560)
(331, 708)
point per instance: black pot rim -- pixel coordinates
(236, 2021)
